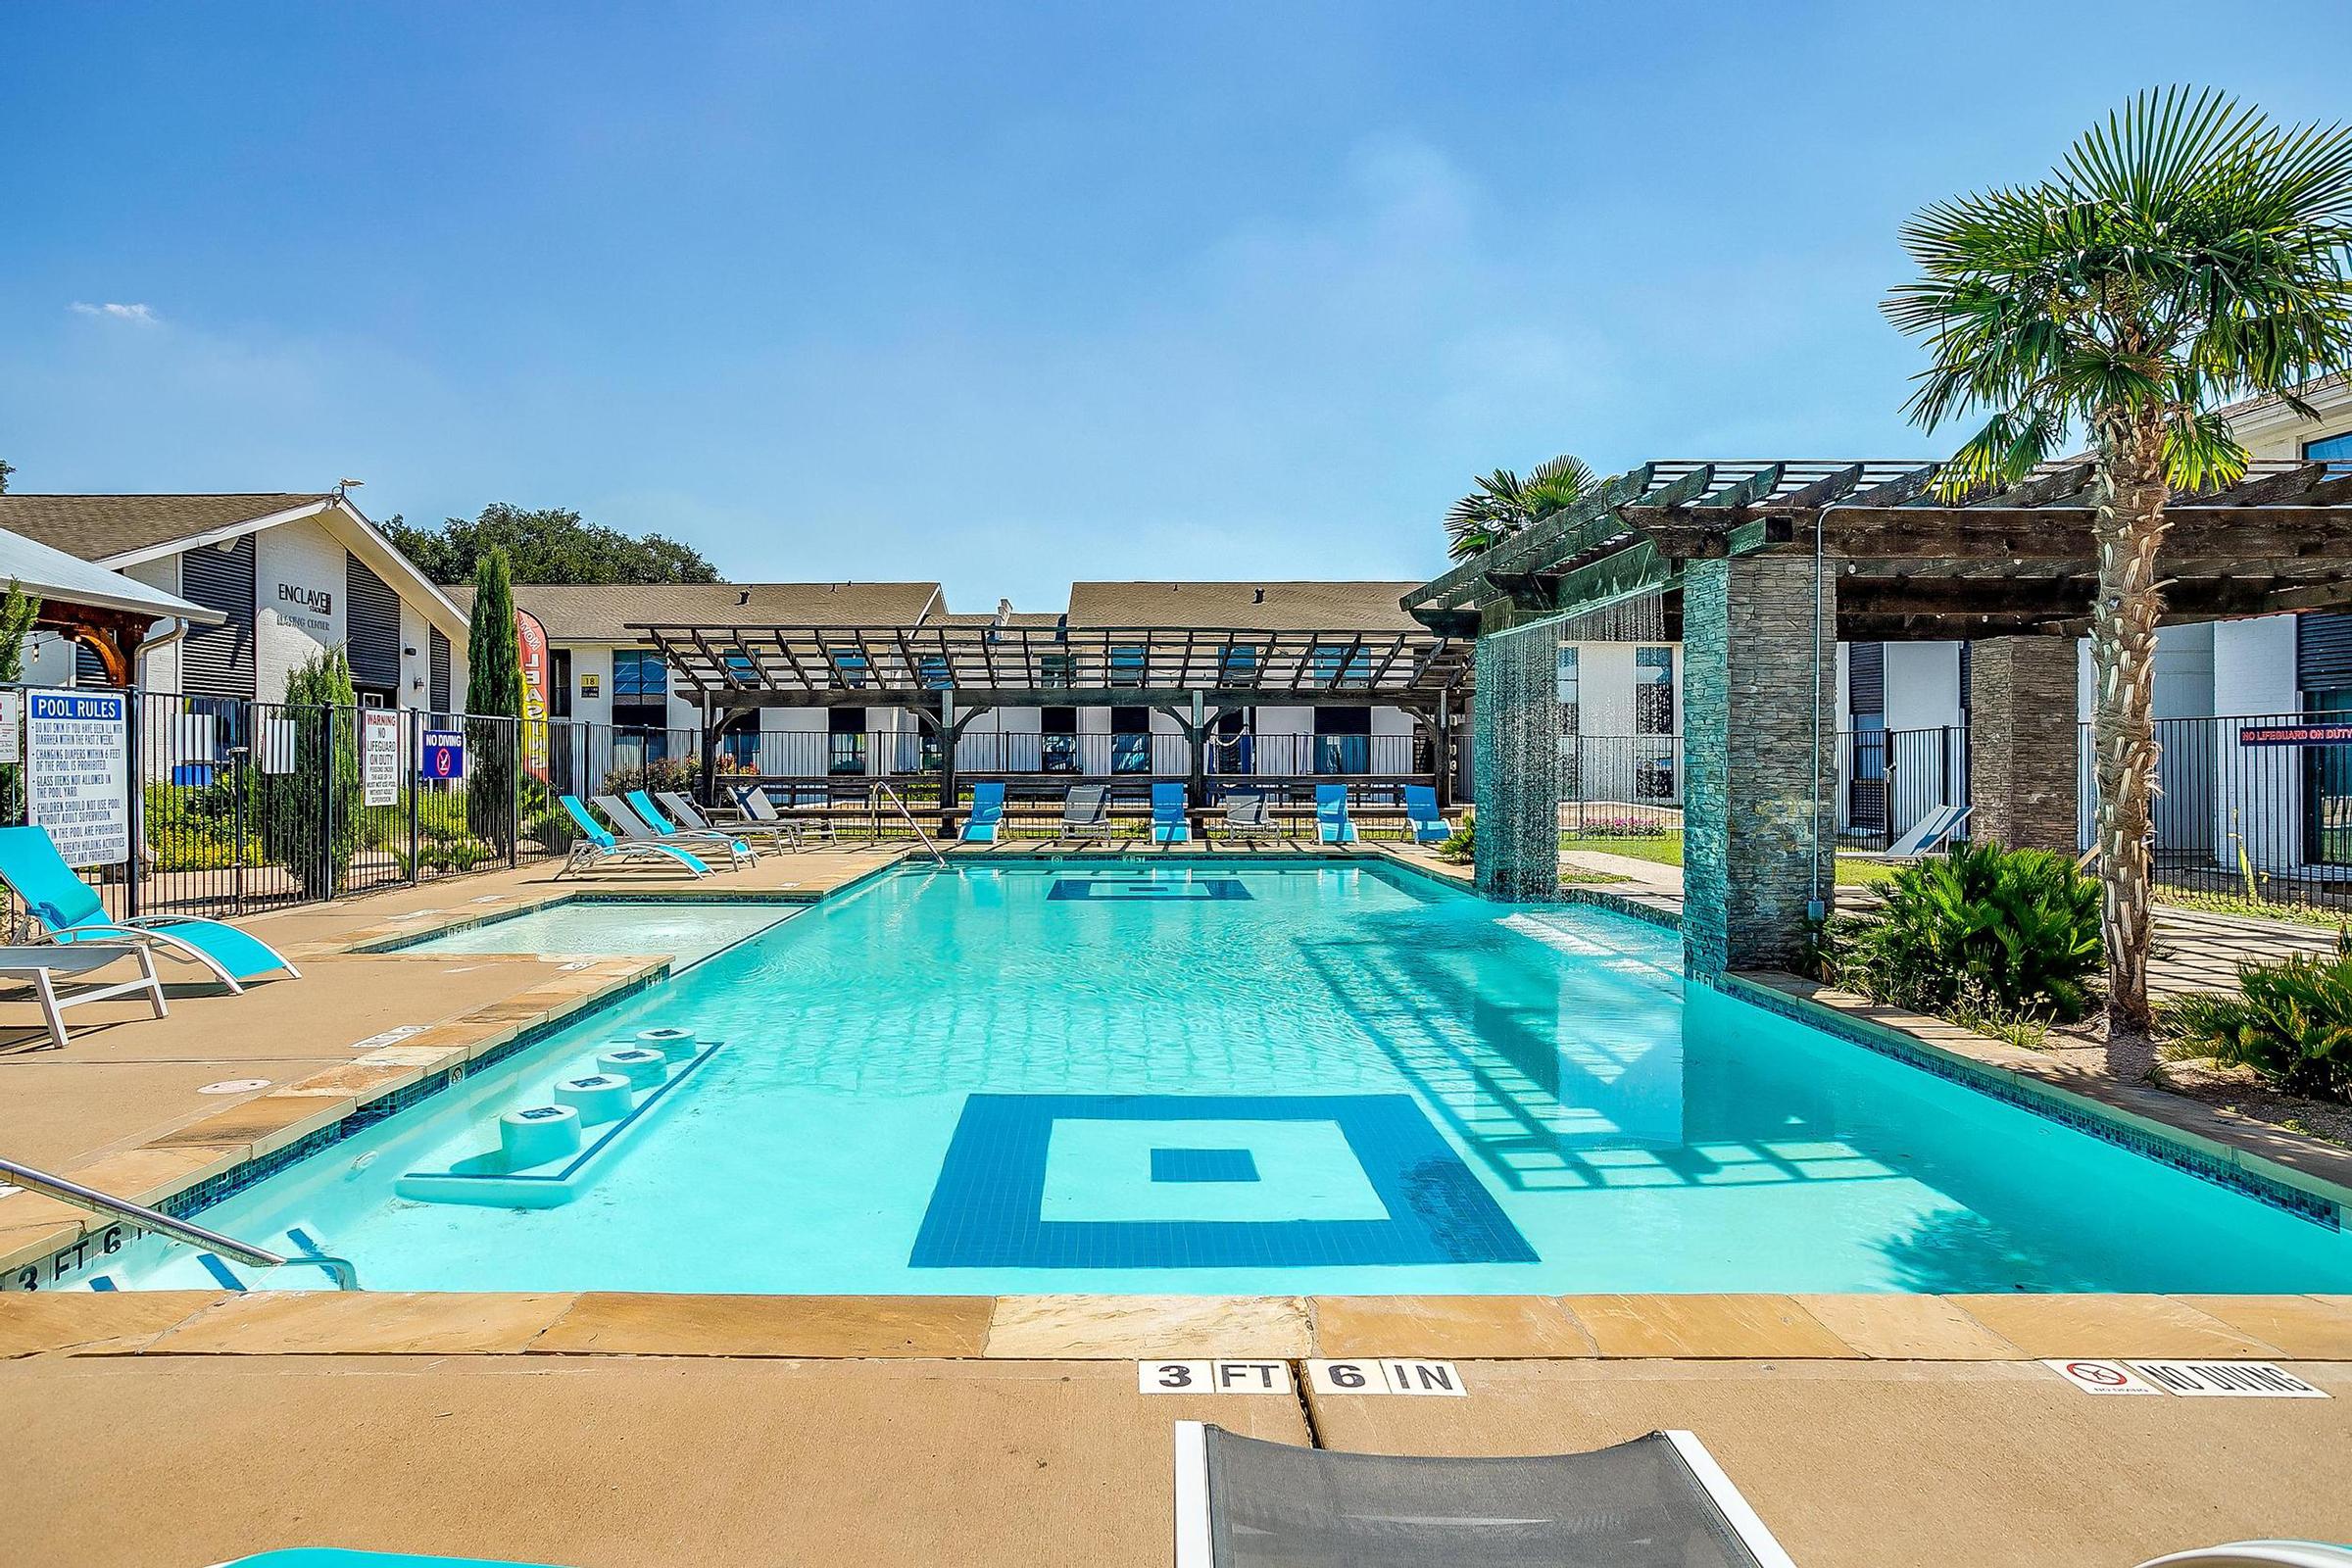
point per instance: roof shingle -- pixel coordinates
(1244, 606)
(602, 613)
(103, 527)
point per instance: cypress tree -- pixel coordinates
(493, 702)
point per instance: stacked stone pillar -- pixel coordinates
(2023, 743)
(1759, 773)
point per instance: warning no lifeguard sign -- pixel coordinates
(76, 757)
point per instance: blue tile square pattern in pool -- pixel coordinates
(1202, 1165)
(1143, 889)
(998, 1190)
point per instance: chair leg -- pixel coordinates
(155, 982)
(48, 994)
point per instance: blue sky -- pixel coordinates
(1010, 296)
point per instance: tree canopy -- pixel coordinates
(1503, 503)
(549, 545)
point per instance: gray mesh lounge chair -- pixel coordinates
(1659, 1500)
(1086, 812)
(1930, 833)
(634, 829)
(759, 808)
(1247, 818)
(687, 814)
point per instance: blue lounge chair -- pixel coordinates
(738, 848)
(596, 845)
(1423, 822)
(1331, 815)
(987, 818)
(1169, 822)
(68, 910)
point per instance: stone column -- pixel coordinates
(1759, 828)
(1515, 750)
(2024, 742)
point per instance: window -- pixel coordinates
(1058, 739)
(850, 663)
(739, 741)
(638, 675)
(1570, 690)
(559, 684)
(1231, 746)
(1131, 740)
(1127, 661)
(1053, 670)
(846, 750)
(931, 672)
(1337, 664)
(1343, 740)
(1238, 665)
(1654, 691)
(2334, 450)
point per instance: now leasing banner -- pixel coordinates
(77, 770)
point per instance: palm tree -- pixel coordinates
(1503, 503)
(2186, 249)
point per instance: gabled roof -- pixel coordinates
(603, 611)
(57, 578)
(1242, 606)
(108, 528)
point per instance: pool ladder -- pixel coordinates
(889, 792)
(338, 1269)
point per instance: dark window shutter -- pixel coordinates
(2323, 651)
(218, 660)
(1866, 677)
(437, 660)
(88, 668)
(370, 626)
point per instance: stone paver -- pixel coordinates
(1705, 1326)
(1488, 1327)
(1122, 1326)
(335, 1322)
(2048, 1326)
(630, 1323)
(35, 1323)
(1908, 1328)
(2306, 1327)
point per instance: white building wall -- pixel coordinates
(2253, 665)
(298, 580)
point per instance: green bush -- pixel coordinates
(2003, 934)
(1464, 842)
(2290, 1021)
(311, 818)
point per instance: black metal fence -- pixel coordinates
(214, 806)
(1888, 780)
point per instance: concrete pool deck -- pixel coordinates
(610, 1428)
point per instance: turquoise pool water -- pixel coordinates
(1170, 1077)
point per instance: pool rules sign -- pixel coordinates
(77, 773)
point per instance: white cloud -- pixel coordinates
(142, 314)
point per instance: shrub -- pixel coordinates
(311, 818)
(2010, 933)
(1464, 842)
(2290, 1021)
(679, 773)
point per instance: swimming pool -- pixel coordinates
(1190, 1077)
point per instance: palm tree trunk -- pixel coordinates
(2129, 528)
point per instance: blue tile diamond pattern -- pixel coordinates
(993, 1203)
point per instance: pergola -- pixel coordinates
(1769, 564)
(948, 673)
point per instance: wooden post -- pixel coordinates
(707, 787)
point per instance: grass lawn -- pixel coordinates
(1666, 849)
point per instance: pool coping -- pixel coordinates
(1894, 1326)
(1747, 1327)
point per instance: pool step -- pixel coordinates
(192, 1268)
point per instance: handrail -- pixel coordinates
(873, 802)
(340, 1269)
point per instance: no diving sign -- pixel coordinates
(2191, 1380)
